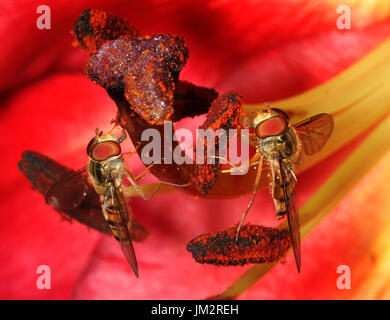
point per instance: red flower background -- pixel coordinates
(265, 51)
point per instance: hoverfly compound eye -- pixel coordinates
(104, 150)
(90, 145)
(271, 127)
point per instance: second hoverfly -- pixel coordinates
(280, 143)
(106, 171)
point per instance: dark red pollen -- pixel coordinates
(95, 27)
(146, 69)
(224, 113)
(256, 244)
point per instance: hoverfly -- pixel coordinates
(280, 143)
(105, 171)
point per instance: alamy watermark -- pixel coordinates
(44, 20)
(44, 280)
(344, 280)
(344, 19)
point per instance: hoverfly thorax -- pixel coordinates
(105, 162)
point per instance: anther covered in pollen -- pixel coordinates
(256, 244)
(224, 113)
(146, 68)
(94, 27)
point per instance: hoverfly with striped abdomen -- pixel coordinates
(106, 171)
(280, 143)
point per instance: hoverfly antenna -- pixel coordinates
(122, 137)
(115, 123)
(267, 107)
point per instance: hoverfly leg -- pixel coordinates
(144, 173)
(123, 136)
(278, 191)
(233, 166)
(131, 179)
(258, 176)
(116, 124)
(280, 207)
(252, 162)
(167, 184)
(133, 182)
(130, 154)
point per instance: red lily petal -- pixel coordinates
(260, 57)
(254, 29)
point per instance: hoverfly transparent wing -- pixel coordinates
(69, 192)
(122, 227)
(288, 182)
(314, 132)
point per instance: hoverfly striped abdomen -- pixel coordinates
(111, 212)
(283, 183)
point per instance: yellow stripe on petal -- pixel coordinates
(371, 271)
(377, 283)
